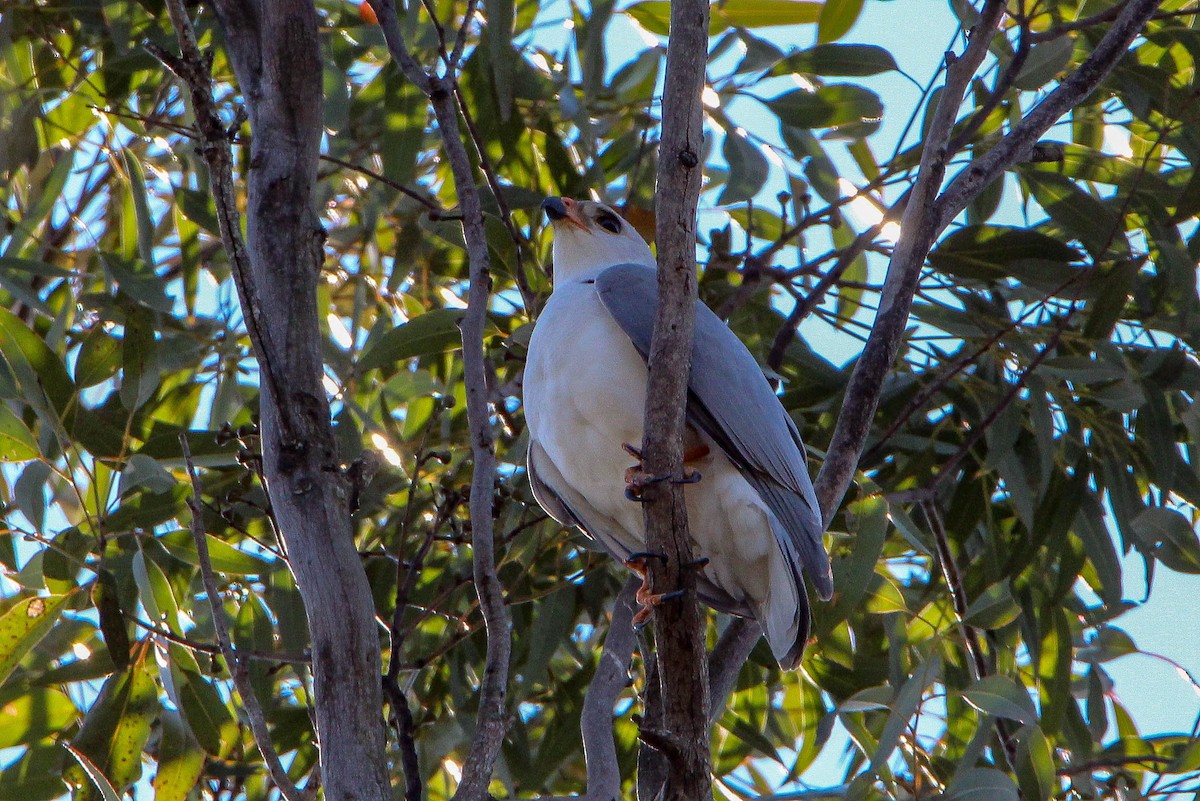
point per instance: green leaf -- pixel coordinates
(828, 106)
(99, 358)
(30, 493)
(844, 60)
(199, 208)
(837, 18)
(1101, 552)
(747, 169)
(1170, 537)
(16, 441)
(434, 331)
(908, 701)
(36, 776)
(141, 206)
(140, 376)
(986, 252)
(1084, 217)
(143, 471)
(24, 625)
(102, 784)
(223, 557)
(655, 15)
(854, 573)
(1035, 765)
(981, 784)
(765, 13)
(118, 725)
(1001, 697)
(1109, 643)
(155, 592)
(1044, 62)
(35, 713)
(39, 372)
(207, 716)
(180, 760)
(993, 609)
(106, 599)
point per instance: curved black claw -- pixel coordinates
(642, 556)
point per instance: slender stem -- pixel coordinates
(237, 665)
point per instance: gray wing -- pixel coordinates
(730, 400)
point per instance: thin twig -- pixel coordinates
(192, 68)
(958, 596)
(433, 207)
(492, 718)
(520, 276)
(237, 667)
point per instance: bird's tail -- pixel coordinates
(783, 614)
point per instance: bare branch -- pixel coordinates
(1019, 142)
(237, 665)
(678, 625)
(726, 661)
(787, 331)
(385, 12)
(493, 718)
(958, 596)
(612, 676)
(917, 232)
(434, 209)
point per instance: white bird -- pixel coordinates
(753, 514)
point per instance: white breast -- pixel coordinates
(585, 394)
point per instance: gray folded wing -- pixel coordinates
(730, 399)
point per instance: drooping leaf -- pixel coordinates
(180, 760)
(433, 332)
(16, 440)
(747, 169)
(837, 18)
(1001, 697)
(23, 625)
(117, 727)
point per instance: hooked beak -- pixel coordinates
(560, 209)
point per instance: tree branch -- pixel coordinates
(237, 665)
(726, 661)
(678, 625)
(917, 233)
(274, 48)
(1019, 142)
(492, 719)
(612, 676)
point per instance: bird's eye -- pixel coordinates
(609, 222)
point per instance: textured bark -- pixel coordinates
(273, 46)
(678, 624)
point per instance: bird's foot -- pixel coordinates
(646, 598)
(637, 479)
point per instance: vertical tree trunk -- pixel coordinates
(273, 46)
(678, 629)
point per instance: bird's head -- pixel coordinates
(589, 237)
